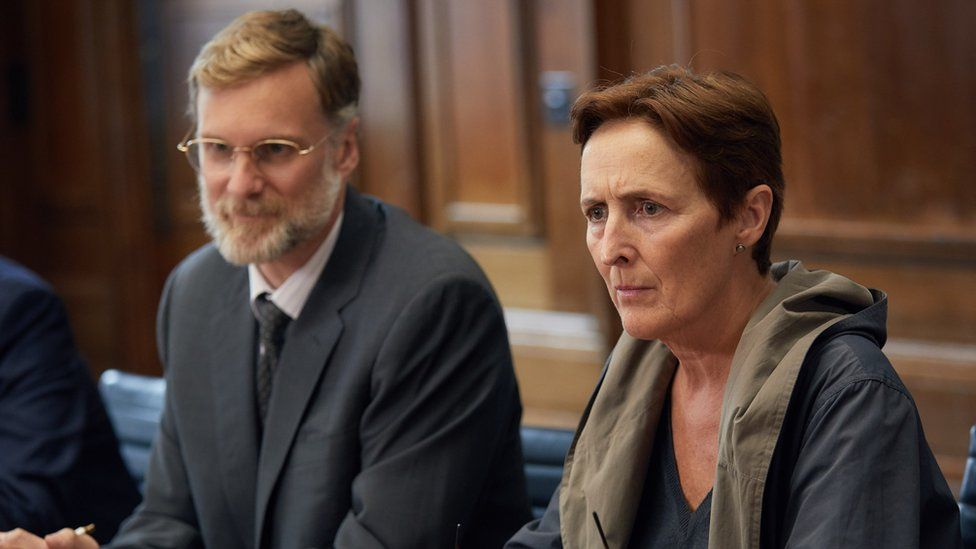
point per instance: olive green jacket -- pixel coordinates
(606, 465)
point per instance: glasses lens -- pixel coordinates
(193, 155)
(209, 156)
(274, 153)
(213, 157)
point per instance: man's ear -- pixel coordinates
(754, 214)
(347, 150)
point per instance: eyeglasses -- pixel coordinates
(210, 156)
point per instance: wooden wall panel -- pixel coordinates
(564, 45)
(486, 102)
(80, 187)
(384, 41)
(15, 191)
(875, 103)
(474, 108)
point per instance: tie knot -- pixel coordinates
(272, 319)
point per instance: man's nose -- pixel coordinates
(244, 177)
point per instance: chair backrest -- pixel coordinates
(544, 451)
(967, 496)
(134, 404)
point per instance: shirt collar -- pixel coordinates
(293, 293)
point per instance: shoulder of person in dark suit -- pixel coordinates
(59, 458)
(442, 373)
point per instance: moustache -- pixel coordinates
(268, 206)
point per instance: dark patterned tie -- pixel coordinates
(271, 333)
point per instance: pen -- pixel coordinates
(86, 529)
(599, 528)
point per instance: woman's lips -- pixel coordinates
(625, 292)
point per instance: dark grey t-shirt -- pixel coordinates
(664, 518)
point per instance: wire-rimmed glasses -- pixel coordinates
(210, 156)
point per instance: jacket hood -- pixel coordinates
(868, 308)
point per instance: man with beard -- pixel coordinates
(337, 375)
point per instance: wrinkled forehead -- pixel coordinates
(631, 151)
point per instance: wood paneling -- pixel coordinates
(474, 112)
(389, 155)
(558, 357)
(15, 193)
(79, 182)
(875, 103)
(928, 299)
(563, 42)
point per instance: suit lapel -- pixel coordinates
(232, 364)
(309, 343)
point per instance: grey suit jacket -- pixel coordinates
(394, 415)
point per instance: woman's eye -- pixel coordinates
(650, 208)
(596, 213)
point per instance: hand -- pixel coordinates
(62, 539)
(66, 538)
(21, 539)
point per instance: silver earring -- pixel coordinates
(739, 248)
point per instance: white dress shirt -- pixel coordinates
(293, 293)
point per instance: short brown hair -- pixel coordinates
(261, 41)
(722, 120)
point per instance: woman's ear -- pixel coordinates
(754, 214)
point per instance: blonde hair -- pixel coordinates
(261, 41)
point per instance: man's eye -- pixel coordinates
(596, 213)
(273, 151)
(216, 150)
(650, 208)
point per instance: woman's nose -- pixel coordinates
(617, 246)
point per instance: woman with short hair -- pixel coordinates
(747, 404)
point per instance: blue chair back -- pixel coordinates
(544, 451)
(967, 496)
(134, 404)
